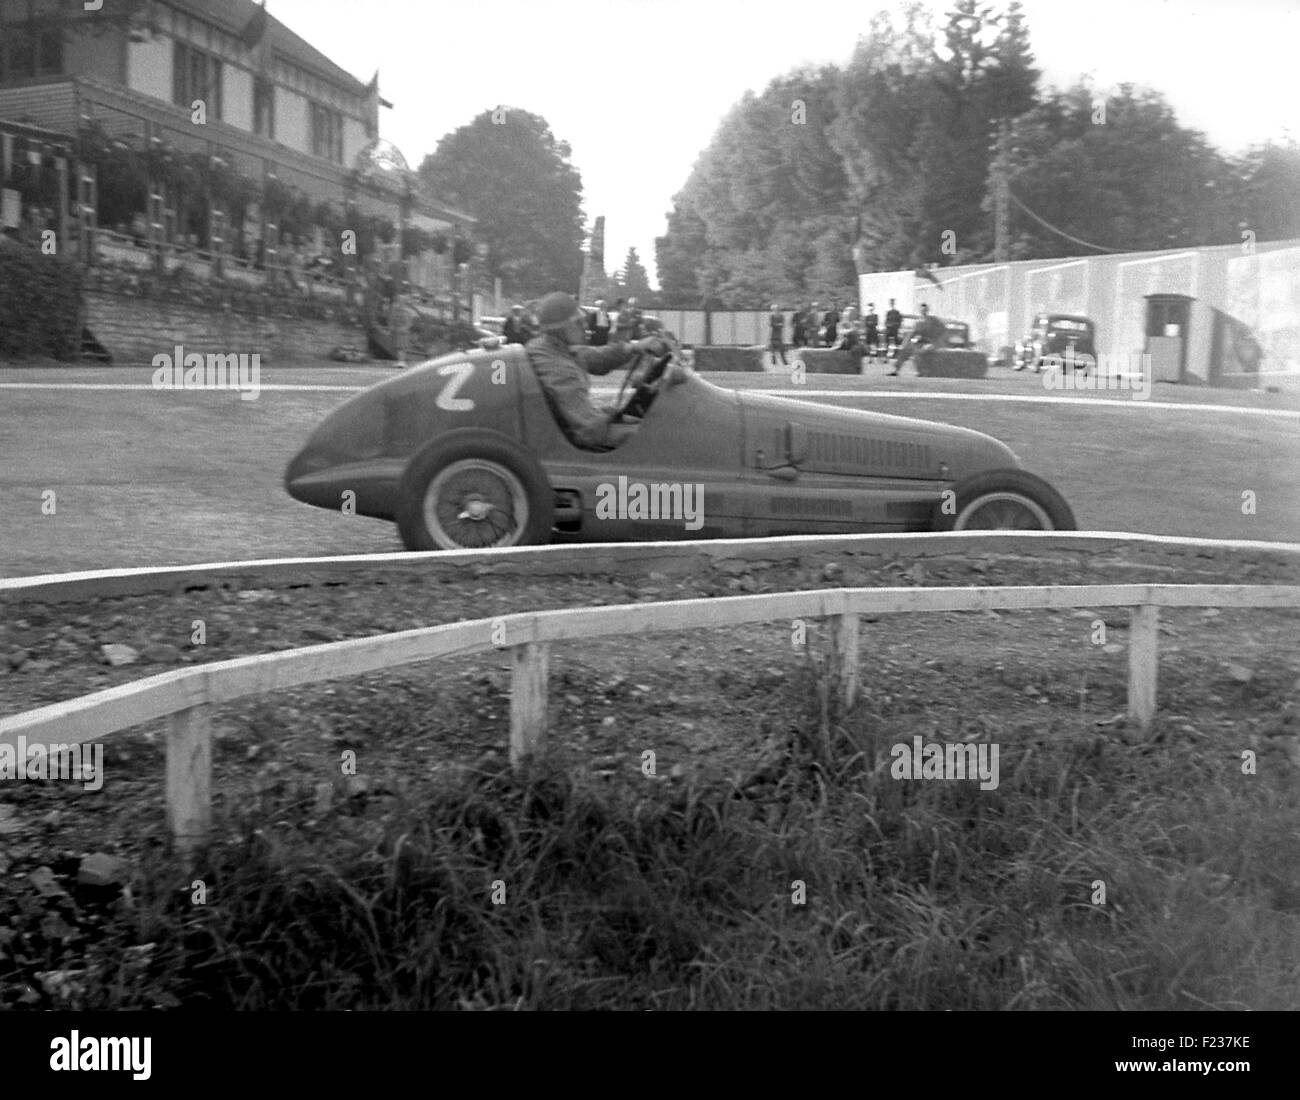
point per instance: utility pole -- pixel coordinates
(1002, 195)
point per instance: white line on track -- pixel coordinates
(794, 394)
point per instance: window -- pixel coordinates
(51, 53)
(27, 54)
(264, 108)
(327, 133)
(196, 75)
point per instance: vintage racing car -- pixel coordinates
(464, 452)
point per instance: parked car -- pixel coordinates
(1067, 335)
(958, 334)
(464, 452)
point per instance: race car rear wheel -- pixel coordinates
(1004, 500)
(474, 490)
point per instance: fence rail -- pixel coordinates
(186, 696)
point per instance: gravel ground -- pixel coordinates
(711, 704)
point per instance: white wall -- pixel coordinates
(149, 67)
(354, 139)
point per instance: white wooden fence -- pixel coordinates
(185, 697)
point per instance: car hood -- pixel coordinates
(907, 447)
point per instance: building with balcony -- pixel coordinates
(209, 125)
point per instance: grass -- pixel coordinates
(476, 888)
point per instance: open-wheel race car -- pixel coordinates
(465, 452)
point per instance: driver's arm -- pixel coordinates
(603, 360)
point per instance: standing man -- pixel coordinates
(401, 316)
(799, 329)
(600, 325)
(832, 324)
(871, 323)
(893, 322)
(776, 344)
(814, 325)
(629, 322)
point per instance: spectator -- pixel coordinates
(848, 337)
(401, 317)
(600, 325)
(629, 322)
(871, 331)
(614, 315)
(814, 324)
(799, 329)
(832, 325)
(776, 343)
(929, 330)
(893, 322)
(516, 330)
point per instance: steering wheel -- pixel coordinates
(641, 378)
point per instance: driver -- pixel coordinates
(562, 364)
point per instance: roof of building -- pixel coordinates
(235, 15)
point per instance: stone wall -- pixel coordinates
(133, 330)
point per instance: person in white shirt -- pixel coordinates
(601, 323)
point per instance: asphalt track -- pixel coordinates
(145, 477)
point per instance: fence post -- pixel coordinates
(1143, 660)
(189, 778)
(529, 663)
(844, 630)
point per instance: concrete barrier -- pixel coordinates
(951, 363)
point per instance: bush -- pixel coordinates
(435, 336)
(40, 299)
(826, 360)
(709, 358)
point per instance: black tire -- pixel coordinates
(490, 472)
(1004, 494)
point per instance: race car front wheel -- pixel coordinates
(474, 490)
(1003, 500)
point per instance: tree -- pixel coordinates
(918, 110)
(1265, 194)
(1120, 174)
(508, 170)
(763, 214)
(632, 280)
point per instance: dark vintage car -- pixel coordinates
(957, 334)
(1066, 335)
(464, 452)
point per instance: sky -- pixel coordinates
(639, 87)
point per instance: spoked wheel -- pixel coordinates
(1004, 500)
(475, 503)
(474, 490)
